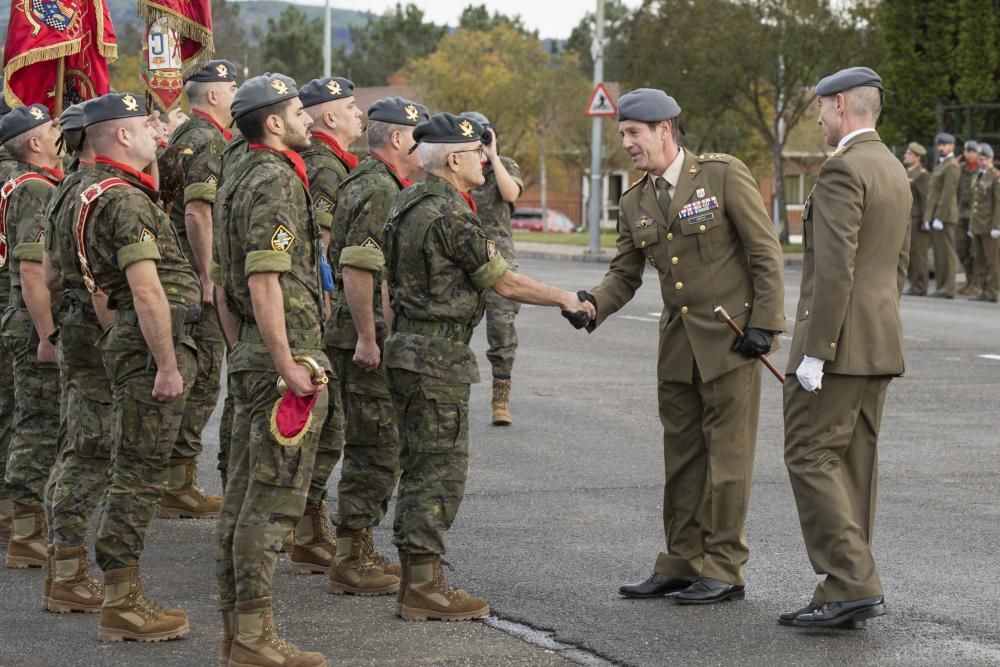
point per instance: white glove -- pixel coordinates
(995, 233)
(810, 373)
(937, 225)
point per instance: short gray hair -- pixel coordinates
(18, 146)
(434, 157)
(196, 91)
(865, 101)
(379, 132)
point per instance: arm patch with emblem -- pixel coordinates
(282, 239)
(370, 242)
(146, 235)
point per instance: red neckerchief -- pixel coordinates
(347, 157)
(161, 144)
(225, 133)
(972, 166)
(56, 174)
(404, 181)
(298, 164)
(145, 179)
(468, 200)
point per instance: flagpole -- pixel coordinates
(60, 84)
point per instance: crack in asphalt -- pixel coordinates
(545, 638)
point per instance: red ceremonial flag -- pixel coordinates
(46, 38)
(178, 42)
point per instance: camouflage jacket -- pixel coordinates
(326, 172)
(60, 238)
(230, 164)
(201, 168)
(126, 226)
(440, 262)
(493, 211)
(267, 225)
(7, 163)
(25, 239)
(364, 201)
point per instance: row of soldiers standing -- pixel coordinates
(956, 210)
(238, 269)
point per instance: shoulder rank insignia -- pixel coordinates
(282, 239)
(491, 249)
(146, 235)
(370, 242)
(324, 204)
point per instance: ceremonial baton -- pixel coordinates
(724, 316)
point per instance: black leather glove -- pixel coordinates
(579, 319)
(754, 343)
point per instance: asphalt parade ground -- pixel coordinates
(564, 506)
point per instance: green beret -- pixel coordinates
(647, 105)
(214, 71)
(447, 128)
(262, 91)
(398, 111)
(113, 106)
(916, 149)
(22, 119)
(845, 79)
(326, 89)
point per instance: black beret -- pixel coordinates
(326, 89)
(22, 119)
(398, 111)
(72, 118)
(113, 106)
(261, 91)
(447, 128)
(845, 79)
(214, 71)
(647, 105)
(944, 138)
(478, 117)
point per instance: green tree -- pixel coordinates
(616, 16)
(230, 37)
(293, 45)
(385, 45)
(976, 52)
(478, 17)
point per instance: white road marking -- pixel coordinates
(994, 357)
(656, 315)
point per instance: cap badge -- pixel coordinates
(37, 113)
(411, 112)
(465, 127)
(222, 70)
(130, 103)
(279, 86)
(334, 87)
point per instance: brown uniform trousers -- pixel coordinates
(942, 204)
(920, 240)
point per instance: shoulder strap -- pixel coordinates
(89, 197)
(5, 192)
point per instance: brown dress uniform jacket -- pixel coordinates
(942, 196)
(848, 311)
(716, 246)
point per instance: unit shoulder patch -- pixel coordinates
(491, 249)
(370, 242)
(282, 239)
(324, 204)
(146, 235)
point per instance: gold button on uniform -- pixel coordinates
(746, 305)
(679, 286)
(807, 313)
(674, 260)
(833, 345)
(684, 310)
(701, 228)
(670, 236)
(643, 244)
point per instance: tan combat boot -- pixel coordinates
(501, 400)
(386, 565)
(289, 542)
(183, 498)
(6, 507)
(28, 545)
(429, 597)
(73, 588)
(401, 593)
(353, 571)
(128, 614)
(49, 569)
(315, 546)
(228, 632)
(257, 645)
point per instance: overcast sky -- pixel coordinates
(551, 18)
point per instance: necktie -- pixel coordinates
(663, 196)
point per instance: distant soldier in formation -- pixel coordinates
(985, 225)
(969, 169)
(7, 162)
(941, 215)
(919, 177)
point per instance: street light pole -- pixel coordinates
(596, 180)
(327, 46)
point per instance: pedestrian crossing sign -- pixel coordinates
(600, 103)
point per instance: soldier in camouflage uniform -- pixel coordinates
(269, 261)
(33, 140)
(210, 92)
(495, 204)
(129, 251)
(439, 265)
(336, 124)
(969, 162)
(6, 364)
(355, 336)
(80, 476)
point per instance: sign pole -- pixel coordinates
(596, 190)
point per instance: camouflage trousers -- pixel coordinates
(226, 432)
(143, 434)
(501, 334)
(204, 392)
(434, 458)
(266, 489)
(331, 438)
(6, 412)
(80, 477)
(34, 442)
(371, 444)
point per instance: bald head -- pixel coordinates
(131, 141)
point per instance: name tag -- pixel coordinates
(703, 217)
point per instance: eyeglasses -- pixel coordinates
(480, 150)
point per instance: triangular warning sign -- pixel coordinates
(600, 103)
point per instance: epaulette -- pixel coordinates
(636, 184)
(715, 157)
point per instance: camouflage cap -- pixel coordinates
(326, 89)
(397, 110)
(647, 105)
(113, 106)
(845, 79)
(986, 150)
(261, 91)
(916, 149)
(22, 119)
(214, 71)
(72, 118)
(447, 128)
(478, 117)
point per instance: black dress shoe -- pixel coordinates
(655, 586)
(851, 614)
(706, 590)
(942, 295)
